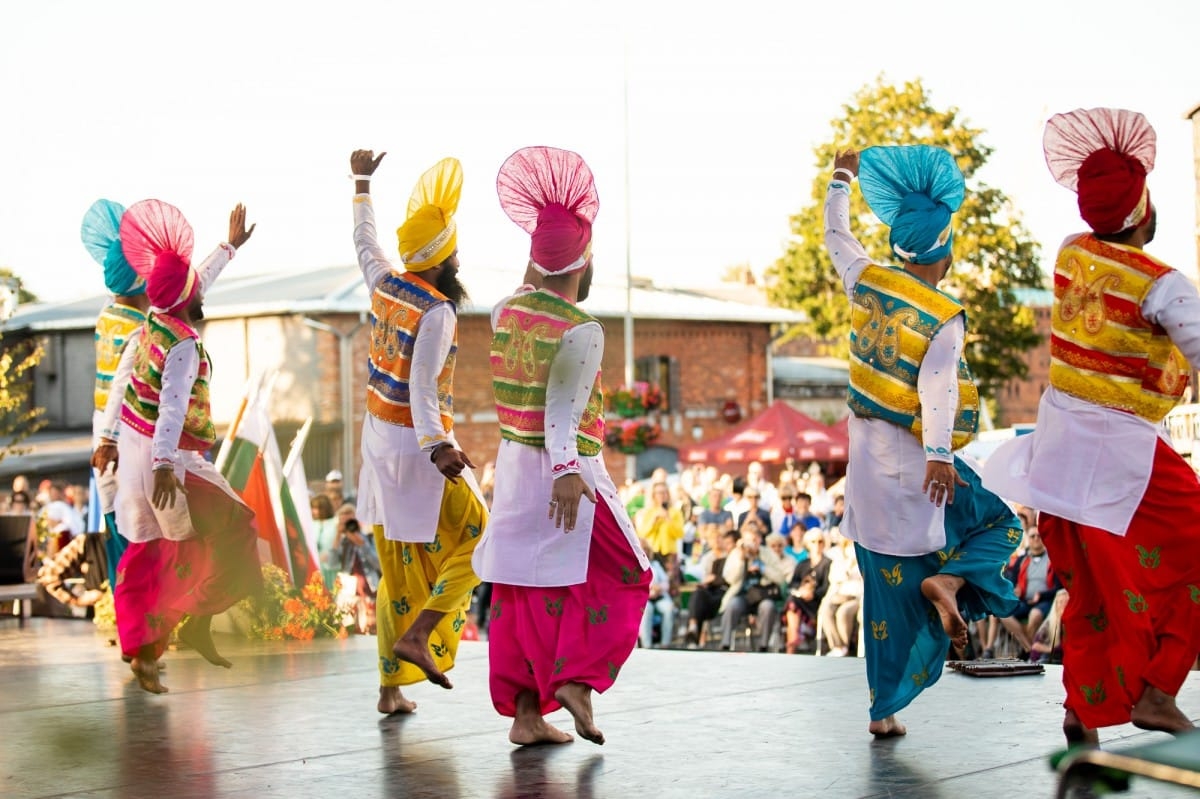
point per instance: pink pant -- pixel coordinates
(540, 639)
(161, 580)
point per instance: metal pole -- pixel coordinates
(630, 460)
(346, 391)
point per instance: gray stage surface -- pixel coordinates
(298, 720)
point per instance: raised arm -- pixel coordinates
(371, 258)
(848, 256)
(218, 259)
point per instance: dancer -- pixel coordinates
(570, 578)
(101, 234)
(1118, 504)
(416, 485)
(192, 542)
(927, 534)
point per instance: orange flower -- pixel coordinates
(293, 606)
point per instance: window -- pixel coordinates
(662, 370)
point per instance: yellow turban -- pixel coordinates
(429, 235)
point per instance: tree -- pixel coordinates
(993, 252)
(19, 418)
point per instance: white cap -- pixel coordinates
(333, 477)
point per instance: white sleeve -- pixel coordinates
(435, 337)
(1174, 305)
(572, 374)
(848, 256)
(372, 260)
(110, 424)
(180, 370)
(937, 387)
(212, 266)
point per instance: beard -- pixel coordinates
(1153, 225)
(585, 284)
(449, 284)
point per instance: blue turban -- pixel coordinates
(914, 190)
(101, 234)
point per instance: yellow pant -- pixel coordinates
(435, 576)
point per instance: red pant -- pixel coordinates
(1133, 618)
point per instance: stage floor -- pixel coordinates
(298, 720)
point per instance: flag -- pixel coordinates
(296, 504)
(244, 460)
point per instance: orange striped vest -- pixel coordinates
(397, 305)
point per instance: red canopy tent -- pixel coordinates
(778, 433)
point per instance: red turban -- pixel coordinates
(1112, 192)
(1104, 154)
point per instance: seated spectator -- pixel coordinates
(715, 511)
(325, 527)
(754, 511)
(834, 517)
(357, 566)
(793, 509)
(787, 564)
(755, 479)
(754, 575)
(838, 612)
(806, 590)
(63, 521)
(661, 602)
(659, 524)
(705, 601)
(1047, 641)
(1036, 585)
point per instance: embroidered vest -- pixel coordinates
(396, 308)
(893, 317)
(113, 327)
(140, 410)
(528, 334)
(1102, 349)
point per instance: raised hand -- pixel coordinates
(364, 162)
(847, 159)
(238, 235)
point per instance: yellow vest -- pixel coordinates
(893, 317)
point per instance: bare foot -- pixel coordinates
(392, 702)
(577, 699)
(887, 728)
(196, 634)
(942, 591)
(1156, 710)
(1076, 733)
(535, 731)
(417, 653)
(147, 675)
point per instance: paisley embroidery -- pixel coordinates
(1082, 297)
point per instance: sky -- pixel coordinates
(698, 120)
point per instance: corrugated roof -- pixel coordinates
(340, 289)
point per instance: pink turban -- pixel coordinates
(551, 194)
(157, 241)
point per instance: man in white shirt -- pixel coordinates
(416, 486)
(1118, 506)
(927, 535)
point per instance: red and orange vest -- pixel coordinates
(1102, 349)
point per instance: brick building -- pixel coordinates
(311, 330)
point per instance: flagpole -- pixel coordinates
(231, 433)
(297, 445)
(630, 460)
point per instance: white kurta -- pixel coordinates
(398, 486)
(138, 455)
(521, 545)
(886, 510)
(1087, 463)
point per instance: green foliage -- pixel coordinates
(994, 254)
(23, 295)
(18, 417)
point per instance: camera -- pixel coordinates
(352, 526)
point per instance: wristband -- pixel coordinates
(849, 175)
(367, 178)
(433, 452)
